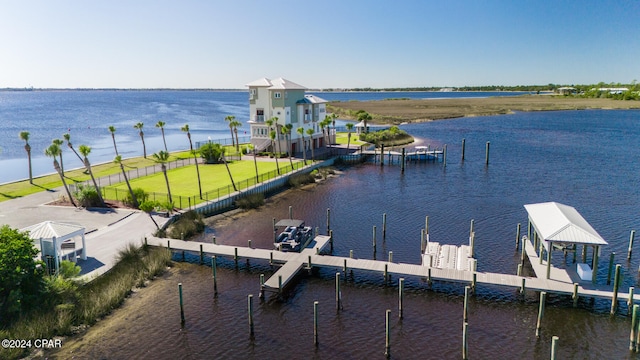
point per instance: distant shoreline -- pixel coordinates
(397, 111)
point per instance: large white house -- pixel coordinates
(287, 102)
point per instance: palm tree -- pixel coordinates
(148, 207)
(286, 131)
(230, 119)
(324, 124)
(300, 131)
(112, 130)
(54, 151)
(118, 160)
(235, 123)
(141, 133)
(67, 138)
(365, 117)
(349, 128)
(224, 160)
(185, 128)
(85, 151)
(274, 122)
(272, 135)
(310, 133)
(162, 157)
(161, 124)
(24, 135)
(59, 143)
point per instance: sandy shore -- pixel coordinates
(399, 111)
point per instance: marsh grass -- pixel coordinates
(136, 265)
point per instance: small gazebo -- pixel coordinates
(560, 225)
(56, 237)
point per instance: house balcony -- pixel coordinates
(257, 119)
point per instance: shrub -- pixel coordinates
(302, 179)
(189, 224)
(87, 196)
(140, 194)
(252, 201)
(211, 153)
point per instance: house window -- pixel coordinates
(277, 95)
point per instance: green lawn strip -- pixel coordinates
(47, 182)
(184, 181)
(342, 139)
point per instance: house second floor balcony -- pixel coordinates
(257, 119)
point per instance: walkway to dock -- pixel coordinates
(560, 281)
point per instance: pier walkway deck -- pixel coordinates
(560, 282)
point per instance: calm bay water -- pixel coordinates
(86, 115)
(586, 159)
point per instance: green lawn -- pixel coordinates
(342, 139)
(214, 178)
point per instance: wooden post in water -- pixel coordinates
(400, 297)
(280, 284)
(584, 253)
(328, 220)
(423, 244)
(465, 354)
(575, 295)
(429, 277)
(466, 303)
(331, 239)
(250, 310)
(384, 227)
(471, 228)
(486, 157)
(387, 347)
(338, 293)
(261, 295)
(168, 245)
(473, 282)
(201, 255)
(634, 328)
(594, 265)
(554, 347)
(386, 273)
(235, 255)
(402, 161)
(631, 237)
(523, 288)
(275, 231)
(426, 225)
(630, 299)
(444, 155)
(270, 257)
(214, 240)
(463, 147)
(390, 256)
(290, 212)
(518, 237)
(215, 276)
(374, 242)
(472, 244)
(382, 155)
(181, 305)
(543, 296)
(315, 323)
(183, 259)
(611, 257)
(519, 272)
(616, 284)
(350, 254)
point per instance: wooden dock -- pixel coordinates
(561, 281)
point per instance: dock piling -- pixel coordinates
(181, 305)
(611, 257)
(518, 237)
(390, 256)
(616, 284)
(235, 255)
(261, 295)
(315, 323)
(473, 283)
(215, 276)
(486, 157)
(429, 277)
(575, 295)
(250, 310)
(402, 161)
(444, 155)
(463, 148)
(400, 297)
(338, 293)
(374, 242)
(249, 243)
(466, 303)
(290, 212)
(384, 227)
(631, 238)
(630, 299)
(465, 326)
(328, 220)
(386, 273)
(280, 284)
(275, 230)
(344, 268)
(543, 296)
(213, 239)
(382, 155)
(387, 348)
(331, 239)
(201, 255)
(422, 242)
(554, 347)
(634, 328)
(523, 287)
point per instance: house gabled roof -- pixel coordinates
(276, 84)
(311, 99)
(561, 223)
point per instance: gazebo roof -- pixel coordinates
(51, 229)
(555, 222)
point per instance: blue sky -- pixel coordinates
(319, 44)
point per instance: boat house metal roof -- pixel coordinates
(559, 223)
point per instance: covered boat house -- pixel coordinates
(557, 226)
